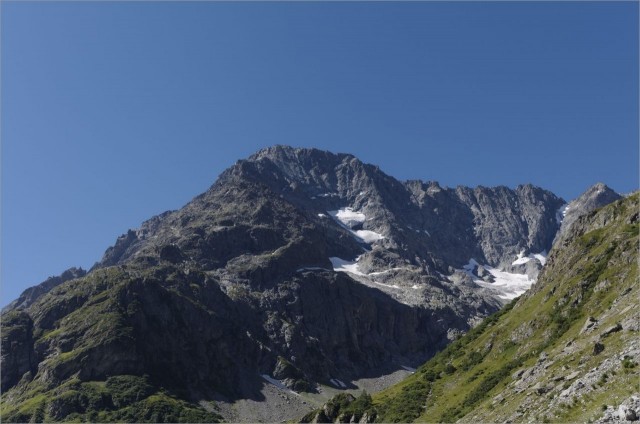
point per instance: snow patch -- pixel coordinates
(321, 215)
(312, 268)
(521, 259)
(338, 383)
(394, 286)
(561, 213)
(348, 217)
(387, 271)
(542, 257)
(368, 236)
(507, 284)
(470, 266)
(340, 265)
(277, 383)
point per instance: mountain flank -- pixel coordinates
(297, 275)
(565, 351)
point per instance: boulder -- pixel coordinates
(597, 348)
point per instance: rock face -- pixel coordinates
(412, 233)
(595, 197)
(18, 357)
(509, 222)
(303, 265)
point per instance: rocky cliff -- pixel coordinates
(595, 197)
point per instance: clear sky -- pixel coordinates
(113, 112)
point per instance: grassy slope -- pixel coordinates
(596, 275)
(118, 399)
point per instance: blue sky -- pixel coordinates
(113, 112)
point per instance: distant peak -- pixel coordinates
(275, 150)
(272, 151)
(281, 151)
(599, 187)
(598, 191)
(596, 196)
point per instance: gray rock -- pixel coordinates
(508, 222)
(631, 323)
(573, 375)
(18, 356)
(516, 375)
(541, 388)
(590, 324)
(595, 197)
(611, 330)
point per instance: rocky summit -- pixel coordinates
(298, 275)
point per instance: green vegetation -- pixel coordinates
(342, 405)
(407, 405)
(359, 406)
(124, 398)
(628, 363)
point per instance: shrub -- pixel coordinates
(628, 363)
(449, 368)
(409, 405)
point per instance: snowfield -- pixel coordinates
(561, 213)
(507, 285)
(341, 265)
(348, 218)
(338, 383)
(368, 236)
(542, 257)
(278, 384)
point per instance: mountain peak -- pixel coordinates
(599, 189)
(281, 152)
(596, 196)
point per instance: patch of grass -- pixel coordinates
(123, 398)
(406, 407)
(628, 363)
(360, 406)
(128, 389)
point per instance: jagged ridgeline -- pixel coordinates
(298, 274)
(566, 351)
